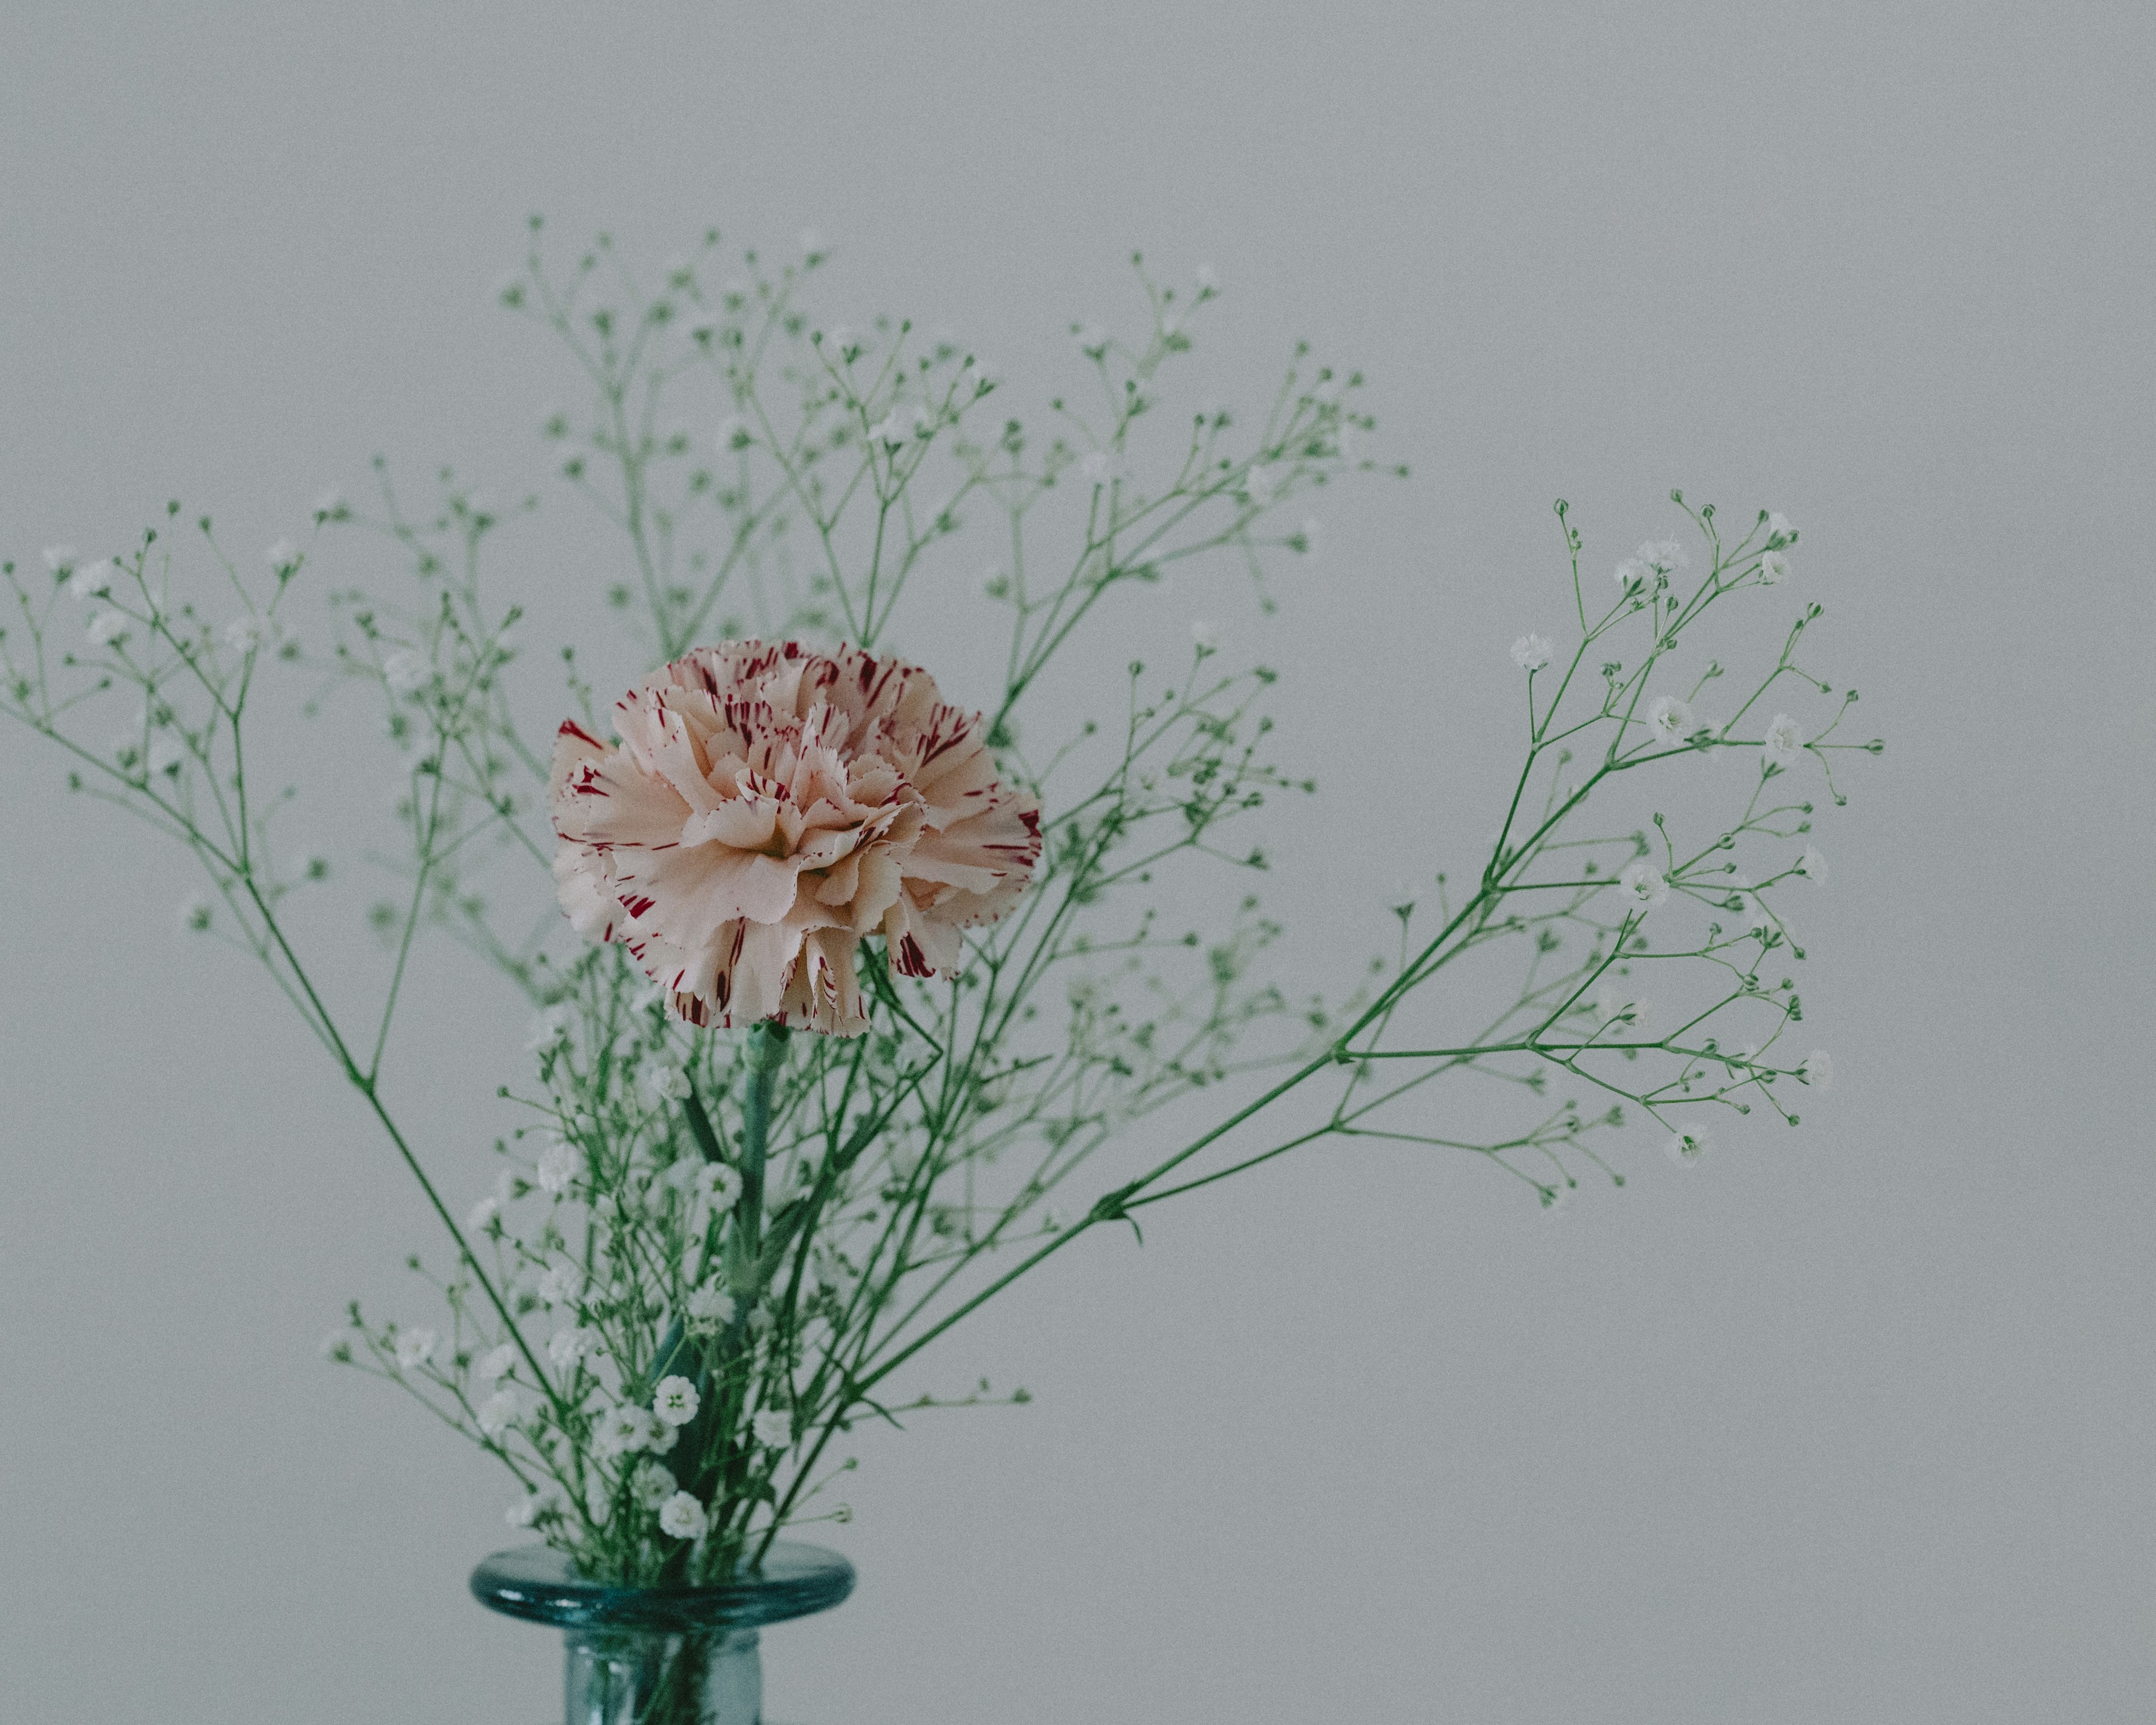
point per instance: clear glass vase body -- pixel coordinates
(663, 1656)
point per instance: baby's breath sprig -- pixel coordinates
(708, 1254)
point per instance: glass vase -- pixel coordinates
(640, 1656)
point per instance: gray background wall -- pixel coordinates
(1853, 1423)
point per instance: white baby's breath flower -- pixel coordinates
(550, 1029)
(166, 753)
(889, 430)
(1774, 569)
(92, 581)
(558, 1166)
(1641, 884)
(415, 1348)
(1671, 720)
(1208, 280)
(1097, 467)
(107, 628)
(482, 1213)
(658, 1437)
(683, 1517)
(1664, 554)
(717, 1185)
(1259, 484)
(1093, 338)
(774, 1428)
(247, 634)
(675, 1401)
(1785, 740)
(282, 555)
(1812, 865)
(666, 1081)
(60, 558)
(1817, 1069)
(1556, 1198)
(1631, 573)
(331, 505)
(560, 1285)
(652, 1484)
(622, 1431)
(1686, 1148)
(406, 672)
(710, 1310)
(566, 1346)
(496, 1363)
(1778, 526)
(1757, 918)
(1532, 652)
(499, 1411)
(529, 1510)
(1204, 636)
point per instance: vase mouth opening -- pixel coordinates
(539, 1584)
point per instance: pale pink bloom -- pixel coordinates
(767, 807)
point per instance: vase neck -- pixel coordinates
(617, 1677)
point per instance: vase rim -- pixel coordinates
(539, 1585)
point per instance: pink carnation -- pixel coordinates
(769, 805)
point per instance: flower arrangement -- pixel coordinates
(851, 984)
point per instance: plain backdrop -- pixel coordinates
(1850, 1423)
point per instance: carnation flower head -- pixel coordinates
(767, 807)
(1532, 652)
